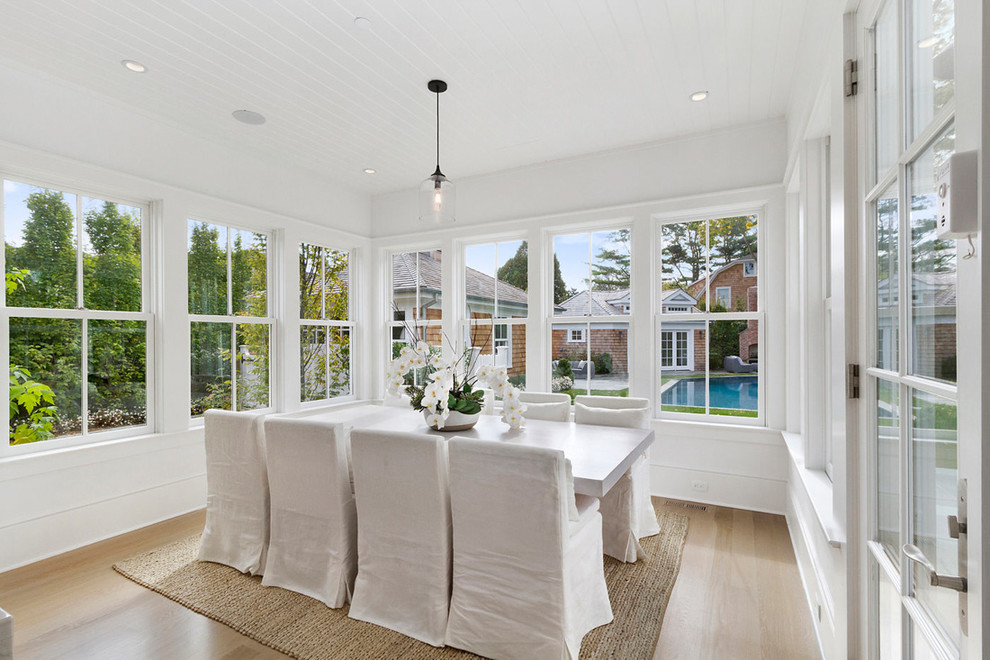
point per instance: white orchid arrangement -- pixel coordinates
(451, 385)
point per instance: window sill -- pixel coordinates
(819, 489)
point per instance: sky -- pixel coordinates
(15, 211)
(573, 251)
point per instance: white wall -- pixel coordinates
(59, 497)
(730, 159)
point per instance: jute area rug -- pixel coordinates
(305, 628)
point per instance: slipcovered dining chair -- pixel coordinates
(404, 547)
(488, 403)
(627, 509)
(236, 531)
(313, 547)
(529, 580)
(545, 405)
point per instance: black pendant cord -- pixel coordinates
(438, 131)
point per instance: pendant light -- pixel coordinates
(436, 194)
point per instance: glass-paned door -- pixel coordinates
(911, 380)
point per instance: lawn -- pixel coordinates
(726, 412)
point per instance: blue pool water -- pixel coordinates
(735, 392)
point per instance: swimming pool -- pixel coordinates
(733, 392)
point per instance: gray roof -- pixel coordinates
(476, 283)
(601, 303)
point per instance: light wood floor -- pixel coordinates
(737, 596)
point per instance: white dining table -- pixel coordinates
(599, 455)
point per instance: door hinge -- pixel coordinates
(852, 381)
(851, 78)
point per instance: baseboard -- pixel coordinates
(722, 489)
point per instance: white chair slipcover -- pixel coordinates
(313, 546)
(400, 400)
(404, 546)
(528, 582)
(546, 405)
(236, 531)
(627, 509)
(488, 403)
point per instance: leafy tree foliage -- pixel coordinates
(515, 271)
(610, 270)
(324, 295)
(46, 354)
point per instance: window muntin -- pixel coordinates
(496, 302)
(591, 281)
(74, 304)
(230, 324)
(325, 327)
(713, 369)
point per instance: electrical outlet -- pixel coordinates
(700, 485)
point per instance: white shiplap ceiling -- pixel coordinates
(530, 80)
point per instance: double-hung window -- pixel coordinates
(230, 321)
(79, 330)
(591, 313)
(496, 304)
(710, 342)
(416, 301)
(325, 326)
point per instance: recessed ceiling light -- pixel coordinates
(248, 117)
(362, 23)
(370, 170)
(699, 95)
(928, 43)
(136, 67)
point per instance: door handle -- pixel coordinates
(915, 554)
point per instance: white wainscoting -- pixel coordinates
(64, 499)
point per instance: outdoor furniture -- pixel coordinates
(627, 509)
(733, 364)
(528, 580)
(404, 544)
(313, 547)
(547, 406)
(236, 531)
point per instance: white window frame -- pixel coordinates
(350, 325)
(415, 324)
(575, 335)
(589, 321)
(507, 323)
(149, 220)
(901, 377)
(663, 317)
(235, 320)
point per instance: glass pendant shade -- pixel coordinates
(436, 200)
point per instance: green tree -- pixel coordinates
(112, 272)
(732, 238)
(683, 253)
(515, 271)
(48, 251)
(207, 271)
(610, 270)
